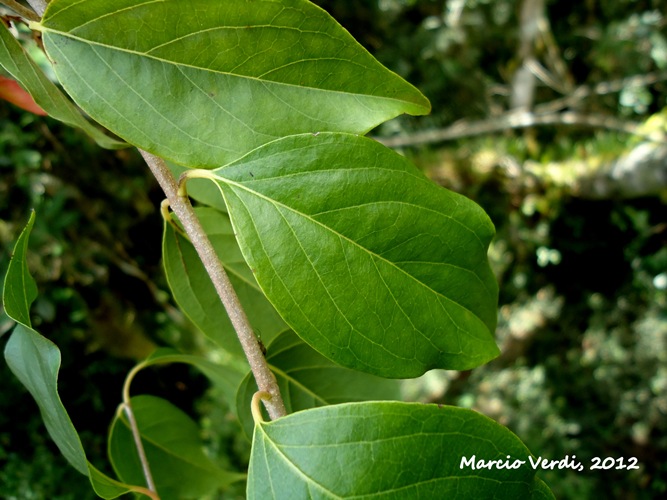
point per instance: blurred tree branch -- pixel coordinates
(524, 80)
(549, 113)
(510, 120)
(601, 88)
(21, 10)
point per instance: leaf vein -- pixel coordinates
(271, 201)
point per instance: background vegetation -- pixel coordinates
(577, 199)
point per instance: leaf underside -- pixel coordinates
(45, 93)
(372, 264)
(226, 78)
(35, 361)
(387, 450)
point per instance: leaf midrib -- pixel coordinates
(47, 30)
(306, 478)
(188, 459)
(369, 169)
(299, 385)
(276, 203)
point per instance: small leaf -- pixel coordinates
(174, 451)
(194, 292)
(370, 263)
(222, 80)
(19, 290)
(35, 361)
(14, 59)
(307, 380)
(387, 450)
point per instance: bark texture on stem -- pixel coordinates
(183, 210)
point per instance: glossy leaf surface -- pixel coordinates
(369, 262)
(387, 450)
(206, 82)
(35, 361)
(174, 450)
(195, 294)
(307, 380)
(49, 97)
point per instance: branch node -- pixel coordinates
(192, 226)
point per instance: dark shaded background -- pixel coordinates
(580, 254)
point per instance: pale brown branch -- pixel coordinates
(132, 422)
(601, 88)
(186, 215)
(544, 75)
(554, 57)
(136, 435)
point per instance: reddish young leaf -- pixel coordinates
(11, 91)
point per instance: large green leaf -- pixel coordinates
(202, 82)
(387, 450)
(35, 361)
(195, 294)
(369, 262)
(174, 451)
(307, 380)
(17, 63)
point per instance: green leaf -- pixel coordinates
(206, 82)
(387, 450)
(307, 380)
(226, 377)
(194, 292)
(174, 451)
(35, 361)
(17, 63)
(369, 262)
(19, 290)
(541, 491)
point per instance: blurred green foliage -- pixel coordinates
(95, 253)
(583, 330)
(583, 278)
